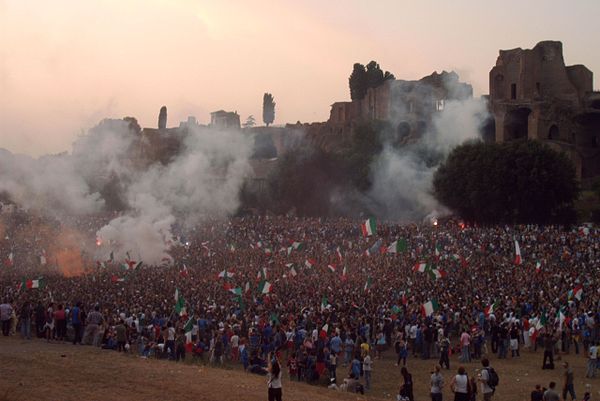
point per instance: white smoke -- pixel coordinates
(402, 177)
(202, 182)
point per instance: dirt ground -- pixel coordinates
(35, 370)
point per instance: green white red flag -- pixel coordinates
(369, 227)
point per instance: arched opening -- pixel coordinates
(403, 130)
(488, 130)
(517, 124)
(553, 133)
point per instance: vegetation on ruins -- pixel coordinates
(363, 78)
(268, 109)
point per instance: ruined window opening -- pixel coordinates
(513, 91)
(553, 133)
(410, 107)
(439, 105)
(538, 88)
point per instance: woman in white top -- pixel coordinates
(274, 383)
(460, 385)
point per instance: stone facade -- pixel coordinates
(534, 95)
(407, 105)
(224, 119)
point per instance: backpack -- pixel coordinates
(493, 378)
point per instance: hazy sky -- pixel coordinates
(64, 65)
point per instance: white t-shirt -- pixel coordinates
(460, 384)
(593, 352)
(235, 340)
(171, 334)
(367, 365)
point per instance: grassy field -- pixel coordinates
(36, 370)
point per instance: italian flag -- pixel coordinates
(368, 284)
(518, 259)
(331, 267)
(189, 326)
(179, 303)
(338, 252)
(323, 303)
(538, 266)
(420, 267)
(226, 274)
(491, 308)
(310, 263)
(437, 273)
(560, 316)
(461, 259)
(324, 330)
(578, 292)
(369, 227)
(236, 291)
(397, 246)
(428, 308)
(264, 287)
(247, 288)
(184, 272)
(29, 284)
(296, 246)
(438, 250)
(116, 279)
(262, 274)
(293, 272)
(344, 274)
(10, 260)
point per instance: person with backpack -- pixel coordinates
(488, 379)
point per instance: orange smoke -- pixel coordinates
(65, 251)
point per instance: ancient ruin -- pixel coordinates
(534, 95)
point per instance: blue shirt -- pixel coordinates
(75, 316)
(336, 344)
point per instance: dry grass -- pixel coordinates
(39, 371)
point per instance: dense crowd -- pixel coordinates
(316, 293)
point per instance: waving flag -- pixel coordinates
(428, 308)
(331, 267)
(31, 284)
(420, 267)
(397, 246)
(518, 259)
(264, 287)
(369, 227)
(338, 252)
(179, 303)
(296, 246)
(310, 263)
(226, 274)
(491, 308)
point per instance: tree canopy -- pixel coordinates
(513, 182)
(268, 109)
(363, 78)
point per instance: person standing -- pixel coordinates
(568, 385)
(367, 368)
(486, 387)
(592, 359)
(274, 379)
(6, 311)
(551, 394)
(460, 385)
(76, 322)
(537, 394)
(25, 319)
(92, 328)
(437, 384)
(444, 345)
(406, 390)
(465, 342)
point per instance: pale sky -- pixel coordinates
(66, 64)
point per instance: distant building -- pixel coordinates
(408, 105)
(534, 95)
(225, 119)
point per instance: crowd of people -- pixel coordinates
(319, 298)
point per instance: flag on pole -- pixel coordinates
(226, 274)
(262, 274)
(324, 330)
(295, 246)
(310, 263)
(429, 307)
(368, 284)
(179, 303)
(187, 328)
(331, 267)
(459, 258)
(491, 308)
(184, 272)
(437, 274)
(31, 284)
(560, 316)
(10, 260)
(538, 266)
(338, 252)
(324, 303)
(369, 227)
(247, 288)
(420, 267)
(236, 291)
(578, 292)
(438, 251)
(264, 287)
(397, 246)
(518, 259)
(344, 274)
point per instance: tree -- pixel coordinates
(268, 109)
(162, 118)
(134, 126)
(513, 182)
(250, 122)
(358, 82)
(363, 78)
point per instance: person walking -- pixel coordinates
(274, 386)
(487, 387)
(406, 390)
(437, 384)
(592, 360)
(367, 368)
(568, 384)
(551, 394)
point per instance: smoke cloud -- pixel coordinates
(402, 176)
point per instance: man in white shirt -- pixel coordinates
(367, 367)
(592, 359)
